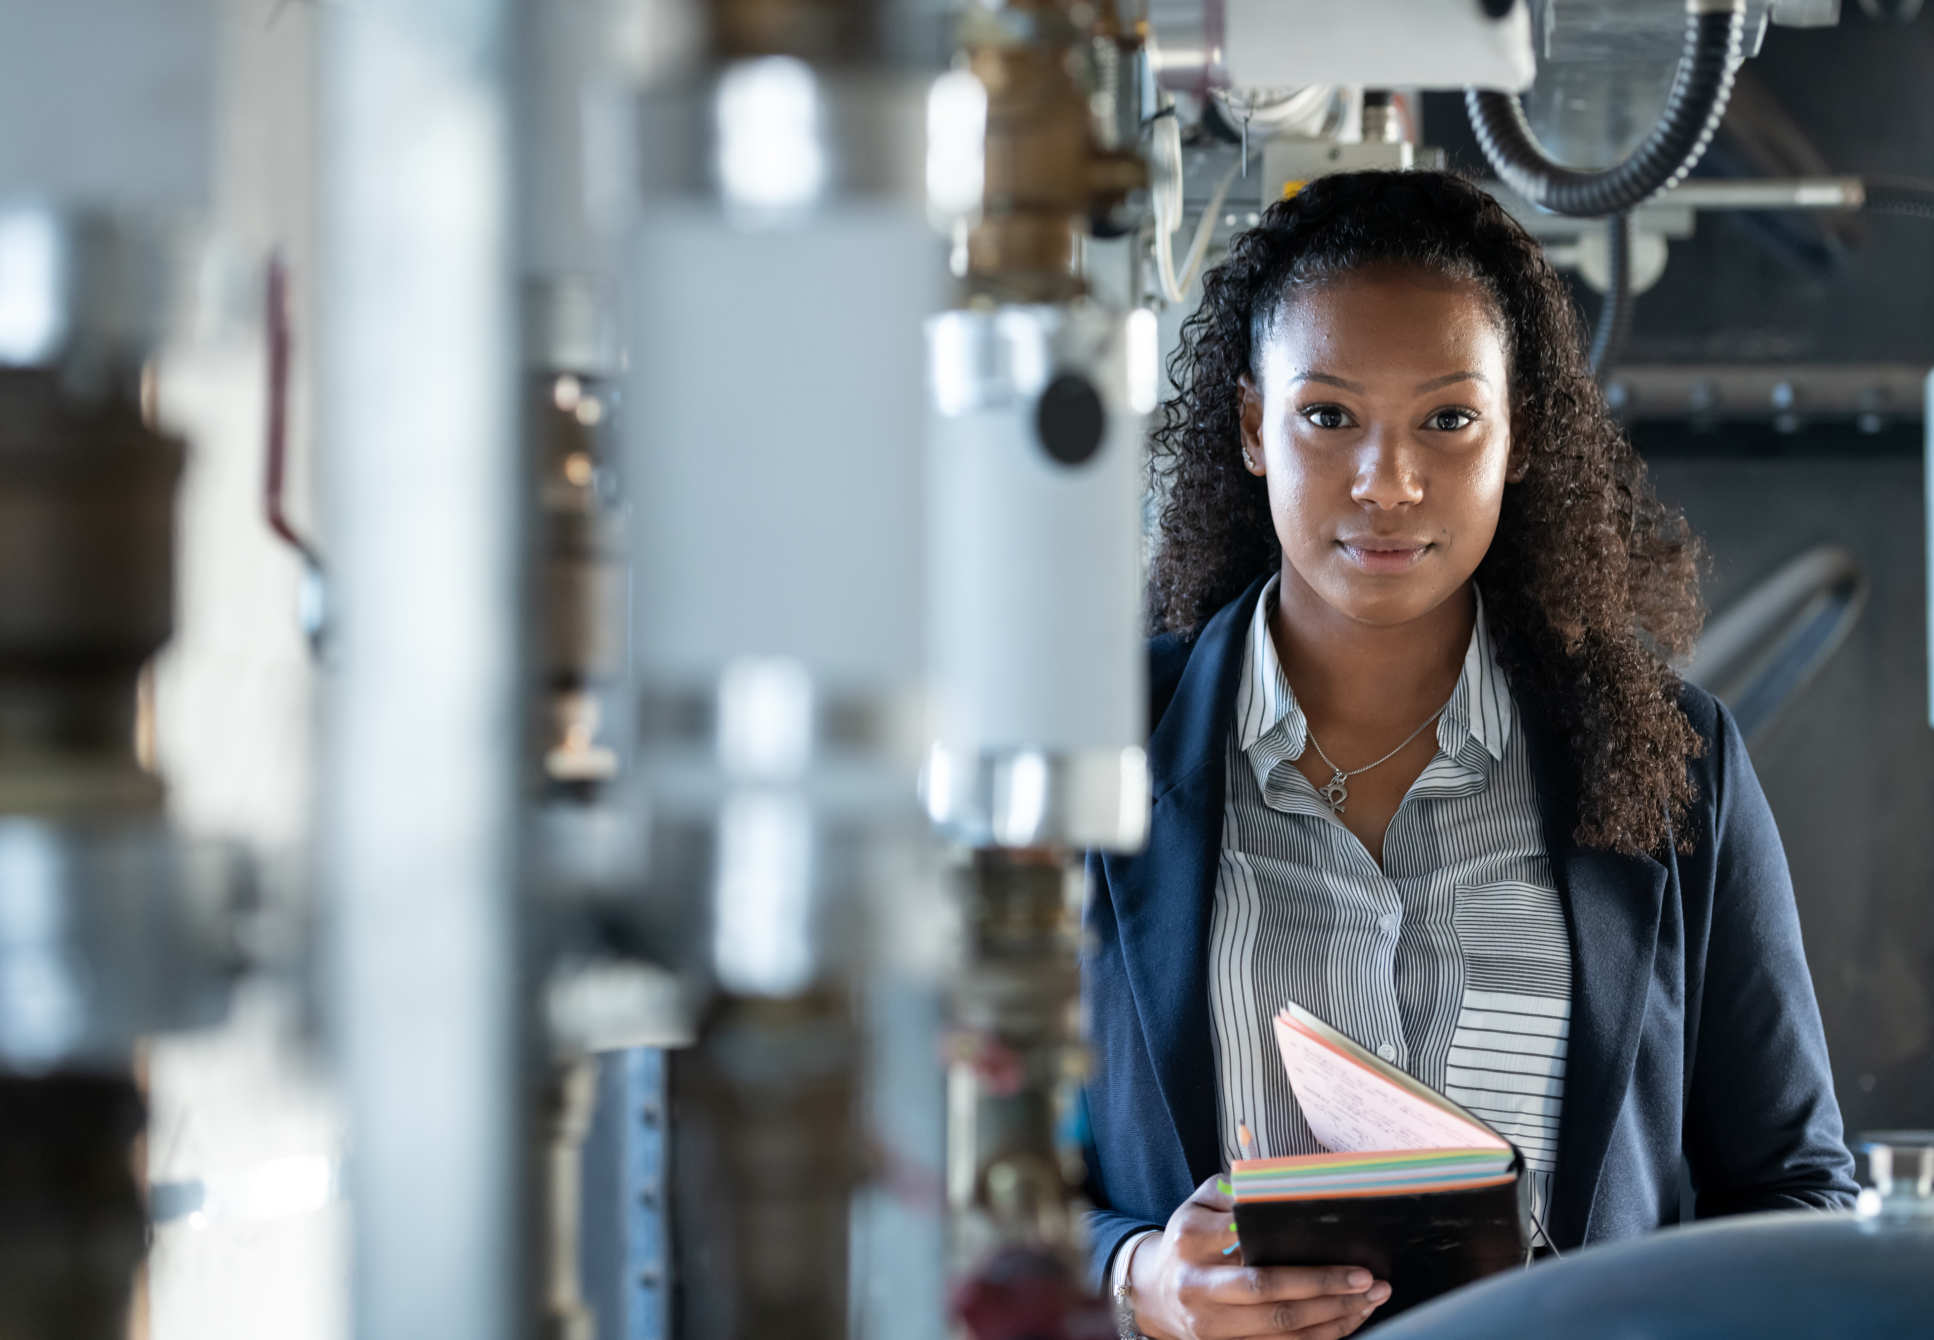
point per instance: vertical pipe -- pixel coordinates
(779, 270)
(1927, 482)
(1039, 395)
(418, 803)
(565, 1121)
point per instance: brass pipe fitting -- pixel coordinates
(824, 33)
(1048, 173)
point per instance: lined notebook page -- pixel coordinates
(1352, 1107)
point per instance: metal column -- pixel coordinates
(418, 830)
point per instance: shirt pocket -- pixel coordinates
(1508, 1051)
(1514, 939)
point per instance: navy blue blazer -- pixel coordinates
(1694, 1028)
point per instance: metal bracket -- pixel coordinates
(626, 1261)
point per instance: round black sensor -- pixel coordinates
(1070, 419)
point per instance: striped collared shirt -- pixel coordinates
(1451, 961)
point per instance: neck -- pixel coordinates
(1365, 676)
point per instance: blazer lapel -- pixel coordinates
(1165, 895)
(1612, 903)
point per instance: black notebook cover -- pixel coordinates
(1422, 1245)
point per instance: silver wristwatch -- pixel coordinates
(1125, 1311)
(1125, 1328)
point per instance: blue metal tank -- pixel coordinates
(1792, 1276)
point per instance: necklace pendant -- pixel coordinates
(1336, 791)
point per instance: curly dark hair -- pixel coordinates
(1591, 581)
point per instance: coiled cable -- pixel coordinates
(1899, 195)
(1614, 323)
(1700, 90)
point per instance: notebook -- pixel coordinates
(1413, 1188)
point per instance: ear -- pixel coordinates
(1519, 465)
(1252, 457)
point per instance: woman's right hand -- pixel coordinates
(1185, 1288)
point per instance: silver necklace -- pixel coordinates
(1336, 791)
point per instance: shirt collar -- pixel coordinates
(1481, 708)
(1271, 726)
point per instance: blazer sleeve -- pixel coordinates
(1763, 1129)
(1108, 1233)
(1107, 1227)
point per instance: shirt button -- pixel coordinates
(1387, 1052)
(1387, 922)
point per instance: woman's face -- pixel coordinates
(1381, 420)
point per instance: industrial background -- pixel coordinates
(460, 927)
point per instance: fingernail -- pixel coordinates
(1358, 1279)
(1378, 1293)
(1232, 1226)
(1222, 1185)
(1230, 1248)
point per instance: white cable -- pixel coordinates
(1169, 204)
(1204, 230)
(1168, 196)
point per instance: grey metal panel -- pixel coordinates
(1849, 768)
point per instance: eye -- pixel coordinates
(1450, 420)
(1327, 416)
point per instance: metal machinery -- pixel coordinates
(419, 841)
(663, 549)
(112, 922)
(603, 980)
(777, 272)
(1039, 397)
(1859, 1273)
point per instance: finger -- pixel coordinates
(1287, 1317)
(1329, 1330)
(1204, 1236)
(1215, 1194)
(1276, 1284)
(1335, 1330)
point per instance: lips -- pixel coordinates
(1383, 554)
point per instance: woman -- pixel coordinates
(1421, 767)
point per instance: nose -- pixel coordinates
(1387, 476)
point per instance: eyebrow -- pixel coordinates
(1307, 376)
(1451, 379)
(1434, 384)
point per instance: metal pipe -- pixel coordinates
(778, 619)
(1787, 394)
(1053, 169)
(1038, 397)
(1016, 1055)
(1186, 44)
(1767, 193)
(1762, 651)
(1671, 214)
(1039, 707)
(418, 823)
(565, 1119)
